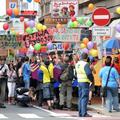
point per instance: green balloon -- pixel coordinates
(34, 30)
(37, 46)
(13, 33)
(89, 23)
(29, 30)
(80, 20)
(71, 24)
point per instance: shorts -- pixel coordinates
(47, 91)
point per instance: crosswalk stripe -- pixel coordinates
(3, 116)
(29, 116)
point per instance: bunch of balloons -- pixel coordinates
(11, 12)
(75, 22)
(87, 47)
(32, 27)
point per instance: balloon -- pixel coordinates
(89, 23)
(118, 10)
(34, 30)
(21, 19)
(23, 50)
(37, 1)
(29, 30)
(85, 41)
(29, 1)
(118, 28)
(9, 12)
(37, 46)
(49, 45)
(13, 33)
(80, 20)
(90, 45)
(85, 50)
(93, 52)
(16, 11)
(65, 46)
(39, 26)
(12, 16)
(44, 27)
(82, 46)
(58, 26)
(75, 24)
(6, 26)
(71, 24)
(31, 23)
(91, 6)
(73, 19)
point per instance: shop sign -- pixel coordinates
(18, 26)
(12, 5)
(57, 46)
(101, 31)
(9, 41)
(38, 37)
(64, 8)
(67, 35)
(29, 12)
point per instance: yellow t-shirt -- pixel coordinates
(46, 74)
(51, 67)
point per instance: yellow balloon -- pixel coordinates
(93, 52)
(91, 6)
(118, 10)
(82, 46)
(39, 26)
(16, 11)
(44, 27)
(75, 24)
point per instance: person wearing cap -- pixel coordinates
(85, 77)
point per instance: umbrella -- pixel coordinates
(112, 43)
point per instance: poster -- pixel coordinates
(67, 35)
(64, 8)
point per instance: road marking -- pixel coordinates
(29, 116)
(3, 116)
(101, 16)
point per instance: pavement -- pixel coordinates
(16, 112)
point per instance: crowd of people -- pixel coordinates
(50, 79)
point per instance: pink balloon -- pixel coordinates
(9, 12)
(32, 23)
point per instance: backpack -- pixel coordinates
(65, 75)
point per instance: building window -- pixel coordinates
(47, 8)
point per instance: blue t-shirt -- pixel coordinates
(26, 71)
(114, 76)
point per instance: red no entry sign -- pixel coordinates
(101, 17)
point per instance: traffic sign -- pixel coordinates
(101, 31)
(101, 16)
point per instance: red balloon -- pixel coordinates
(21, 19)
(73, 19)
(5, 26)
(65, 46)
(9, 12)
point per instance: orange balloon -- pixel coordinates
(37, 1)
(58, 26)
(85, 41)
(91, 6)
(16, 11)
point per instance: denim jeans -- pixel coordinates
(83, 98)
(112, 99)
(27, 84)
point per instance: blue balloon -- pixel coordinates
(29, 1)
(12, 16)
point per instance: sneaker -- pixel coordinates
(87, 115)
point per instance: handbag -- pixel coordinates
(104, 89)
